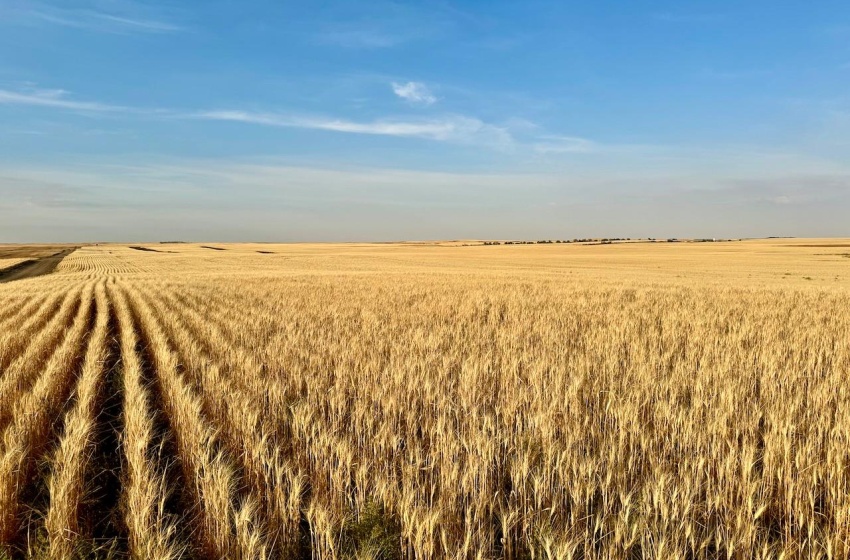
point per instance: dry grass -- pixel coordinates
(431, 401)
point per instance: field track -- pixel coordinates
(33, 268)
(191, 403)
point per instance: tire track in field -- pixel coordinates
(33, 268)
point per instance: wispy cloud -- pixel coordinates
(380, 24)
(56, 98)
(414, 92)
(450, 128)
(145, 25)
(360, 38)
(565, 145)
(454, 128)
(133, 19)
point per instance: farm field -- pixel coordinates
(428, 400)
(27, 252)
(9, 263)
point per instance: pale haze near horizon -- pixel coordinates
(125, 120)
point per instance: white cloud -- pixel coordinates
(142, 25)
(414, 92)
(451, 128)
(52, 98)
(454, 128)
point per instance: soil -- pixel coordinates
(33, 268)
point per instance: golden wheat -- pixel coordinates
(430, 401)
(32, 413)
(151, 533)
(68, 484)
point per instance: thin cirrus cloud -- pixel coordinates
(565, 145)
(379, 24)
(360, 38)
(415, 93)
(454, 128)
(56, 98)
(134, 19)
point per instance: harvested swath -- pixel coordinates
(213, 248)
(32, 353)
(151, 532)
(19, 332)
(16, 312)
(67, 525)
(34, 412)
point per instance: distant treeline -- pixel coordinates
(604, 241)
(545, 241)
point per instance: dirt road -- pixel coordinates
(33, 268)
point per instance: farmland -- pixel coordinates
(428, 400)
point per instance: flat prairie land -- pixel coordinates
(428, 400)
(36, 251)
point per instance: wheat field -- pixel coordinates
(429, 400)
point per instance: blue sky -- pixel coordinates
(369, 120)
